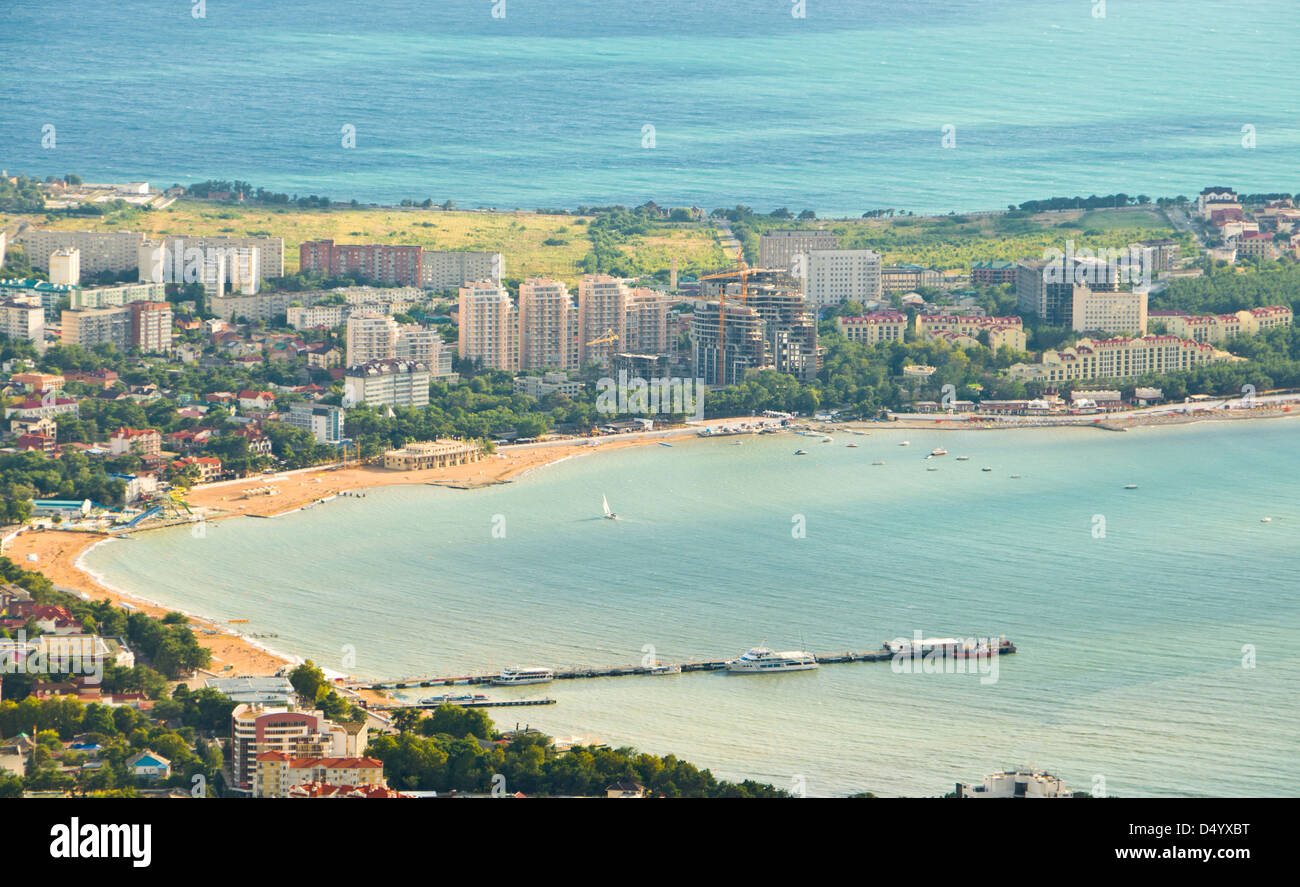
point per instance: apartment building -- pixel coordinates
(1008, 331)
(397, 265)
(777, 249)
(548, 326)
(88, 327)
(423, 455)
(874, 328)
(255, 730)
(151, 327)
(602, 317)
(1108, 312)
(724, 356)
(278, 773)
(263, 306)
(1016, 784)
(388, 382)
(452, 269)
(116, 295)
(98, 251)
(22, 320)
(1219, 327)
(905, 278)
(837, 276)
(488, 326)
(992, 273)
(306, 317)
(647, 323)
(370, 336)
(65, 266)
(1119, 358)
(1257, 245)
(789, 330)
(140, 441)
(322, 420)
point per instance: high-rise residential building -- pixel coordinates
(389, 382)
(1109, 312)
(488, 326)
(65, 266)
(789, 330)
(741, 338)
(602, 317)
(832, 277)
(88, 327)
(415, 342)
(151, 327)
(371, 336)
(647, 323)
(452, 269)
(777, 249)
(548, 326)
(396, 265)
(23, 319)
(115, 251)
(1048, 288)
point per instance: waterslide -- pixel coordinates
(144, 515)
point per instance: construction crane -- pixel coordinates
(742, 270)
(606, 337)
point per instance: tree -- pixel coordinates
(308, 681)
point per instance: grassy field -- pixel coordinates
(948, 242)
(533, 244)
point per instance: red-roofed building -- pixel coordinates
(141, 441)
(209, 466)
(256, 400)
(278, 773)
(870, 329)
(42, 408)
(42, 442)
(321, 790)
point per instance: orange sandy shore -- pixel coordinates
(57, 551)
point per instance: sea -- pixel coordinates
(1155, 627)
(839, 106)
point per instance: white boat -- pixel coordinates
(661, 668)
(986, 468)
(932, 468)
(519, 675)
(801, 452)
(905, 443)
(938, 451)
(609, 515)
(761, 660)
(963, 458)
(1130, 486)
(879, 462)
(1265, 520)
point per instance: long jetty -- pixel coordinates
(884, 654)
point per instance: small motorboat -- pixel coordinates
(851, 445)
(904, 443)
(963, 458)
(1130, 486)
(938, 451)
(801, 452)
(1265, 520)
(986, 468)
(879, 462)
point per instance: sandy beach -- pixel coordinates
(57, 551)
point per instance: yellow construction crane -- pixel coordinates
(607, 337)
(742, 270)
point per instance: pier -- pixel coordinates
(884, 654)
(482, 703)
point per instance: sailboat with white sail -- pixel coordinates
(609, 515)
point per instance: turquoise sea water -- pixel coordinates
(1131, 645)
(841, 111)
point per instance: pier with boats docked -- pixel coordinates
(759, 660)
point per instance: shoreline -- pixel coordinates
(61, 553)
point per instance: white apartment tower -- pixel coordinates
(832, 277)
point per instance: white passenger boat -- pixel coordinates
(761, 660)
(519, 675)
